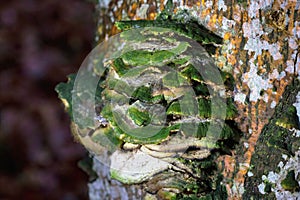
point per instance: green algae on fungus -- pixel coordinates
(158, 92)
(180, 22)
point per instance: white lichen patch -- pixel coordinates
(284, 156)
(297, 105)
(261, 188)
(209, 4)
(293, 163)
(274, 50)
(290, 66)
(292, 43)
(264, 177)
(274, 74)
(253, 9)
(249, 173)
(280, 164)
(250, 130)
(296, 29)
(142, 11)
(255, 45)
(255, 82)
(273, 177)
(252, 29)
(281, 75)
(103, 3)
(246, 145)
(265, 97)
(297, 5)
(273, 104)
(265, 3)
(135, 167)
(228, 25)
(221, 5)
(297, 133)
(240, 97)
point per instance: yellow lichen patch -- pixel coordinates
(161, 5)
(202, 2)
(220, 19)
(231, 59)
(245, 17)
(260, 61)
(213, 20)
(205, 13)
(131, 12)
(114, 30)
(227, 35)
(152, 16)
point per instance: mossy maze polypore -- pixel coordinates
(147, 88)
(160, 93)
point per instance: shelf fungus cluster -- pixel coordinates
(150, 101)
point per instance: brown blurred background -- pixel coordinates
(40, 43)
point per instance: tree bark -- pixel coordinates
(260, 49)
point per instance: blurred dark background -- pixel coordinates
(40, 43)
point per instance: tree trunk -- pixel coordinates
(260, 49)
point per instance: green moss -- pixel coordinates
(231, 111)
(140, 118)
(135, 36)
(204, 106)
(120, 67)
(192, 73)
(268, 187)
(289, 183)
(208, 188)
(64, 91)
(142, 93)
(289, 119)
(157, 57)
(174, 79)
(174, 109)
(86, 164)
(168, 195)
(106, 138)
(66, 94)
(119, 86)
(115, 97)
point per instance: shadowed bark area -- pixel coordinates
(277, 144)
